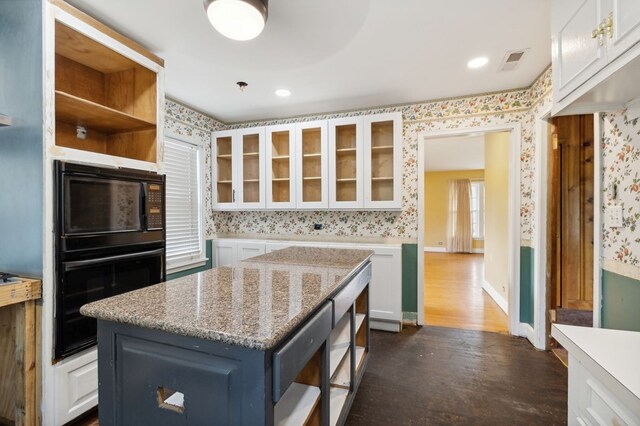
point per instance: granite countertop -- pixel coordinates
(316, 238)
(254, 303)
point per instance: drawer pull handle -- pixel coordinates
(170, 399)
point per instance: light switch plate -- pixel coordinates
(613, 216)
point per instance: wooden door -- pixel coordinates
(571, 224)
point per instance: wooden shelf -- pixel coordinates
(340, 340)
(5, 121)
(345, 150)
(296, 405)
(380, 179)
(280, 158)
(345, 180)
(314, 155)
(312, 178)
(251, 180)
(224, 156)
(382, 148)
(225, 181)
(280, 179)
(251, 154)
(77, 111)
(360, 351)
(338, 397)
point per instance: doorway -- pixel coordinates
(467, 286)
(570, 220)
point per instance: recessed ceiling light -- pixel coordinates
(283, 93)
(478, 62)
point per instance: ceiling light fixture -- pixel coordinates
(283, 93)
(237, 19)
(478, 62)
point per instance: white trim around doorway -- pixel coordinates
(515, 138)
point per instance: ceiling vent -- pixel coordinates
(512, 59)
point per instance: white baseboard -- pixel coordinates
(477, 250)
(436, 249)
(501, 301)
(525, 330)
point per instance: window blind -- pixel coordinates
(185, 243)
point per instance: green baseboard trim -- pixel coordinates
(620, 302)
(410, 277)
(410, 316)
(526, 285)
(206, 266)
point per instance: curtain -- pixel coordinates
(459, 229)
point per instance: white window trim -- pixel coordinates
(202, 259)
(480, 210)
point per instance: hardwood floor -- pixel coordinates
(454, 297)
(444, 376)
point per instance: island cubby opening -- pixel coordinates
(300, 404)
(111, 97)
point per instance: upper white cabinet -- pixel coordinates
(238, 169)
(595, 55)
(383, 161)
(345, 163)
(579, 55)
(281, 166)
(312, 165)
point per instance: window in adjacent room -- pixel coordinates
(477, 209)
(184, 167)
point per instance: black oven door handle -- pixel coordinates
(84, 263)
(143, 206)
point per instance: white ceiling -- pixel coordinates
(335, 54)
(454, 153)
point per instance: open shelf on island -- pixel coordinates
(338, 397)
(340, 340)
(77, 111)
(342, 375)
(296, 405)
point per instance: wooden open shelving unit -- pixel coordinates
(251, 168)
(224, 175)
(108, 94)
(382, 156)
(311, 165)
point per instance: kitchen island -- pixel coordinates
(281, 338)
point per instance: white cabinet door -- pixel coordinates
(312, 165)
(224, 252)
(76, 384)
(386, 284)
(250, 174)
(280, 166)
(626, 26)
(223, 170)
(383, 161)
(249, 249)
(576, 56)
(346, 163)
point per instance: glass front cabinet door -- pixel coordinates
(280, 167)
(312, 186)
(238, 169)
(346, 163)
(383, 161)
(222, 170)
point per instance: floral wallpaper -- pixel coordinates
(482, 110)
(516, 106)
(621, 167)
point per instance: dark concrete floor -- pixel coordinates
(435, 375)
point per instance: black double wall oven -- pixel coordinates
(110, 239)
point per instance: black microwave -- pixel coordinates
(101, 208)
